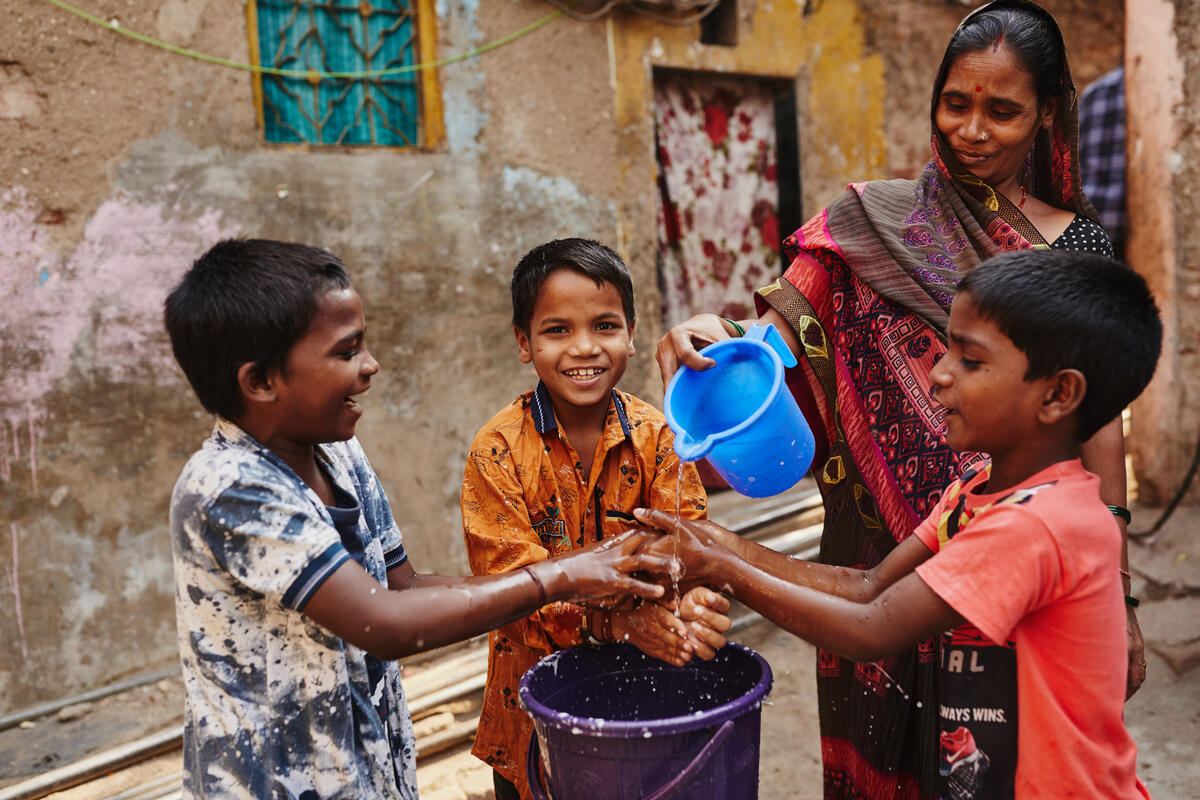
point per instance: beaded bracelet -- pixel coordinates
(740, 330)
(1122, 512)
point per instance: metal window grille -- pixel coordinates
(339, 37)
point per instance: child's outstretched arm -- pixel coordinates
(429, 611)
(862, 615)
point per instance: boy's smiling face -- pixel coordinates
(578, 341)
(326, 368)
(990, 406)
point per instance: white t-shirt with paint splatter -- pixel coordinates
(277, 706)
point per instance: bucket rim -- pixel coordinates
(776, 384)
(663, 726)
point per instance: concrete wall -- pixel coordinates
(122, 163)
(1163, 77)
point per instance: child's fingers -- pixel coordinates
(628, 541)
(656, 518)
(663, 618)
(650, 562)
(638, 588)
(713, 600)
(643, 629)
(705, 642)
(708, 618)
(700, 598)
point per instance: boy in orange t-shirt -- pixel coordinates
(1018, 567)
(564, 466)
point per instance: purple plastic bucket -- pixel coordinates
(612, 723)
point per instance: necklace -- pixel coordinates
(1021, 204)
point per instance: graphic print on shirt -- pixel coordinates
(550, 528)
(977, 689)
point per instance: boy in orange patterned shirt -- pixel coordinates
(563, 466)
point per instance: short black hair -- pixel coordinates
(245, 301)
(585, 256)
(1074, 310)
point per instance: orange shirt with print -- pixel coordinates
(525, 499)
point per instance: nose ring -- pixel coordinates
(984, 136)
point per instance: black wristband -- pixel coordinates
(1122, 512)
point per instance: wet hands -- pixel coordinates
(601, 574)
(690, 541)
(698, 630)
(706, 614)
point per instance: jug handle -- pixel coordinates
(688, 449)
(533, 758)
(770, 337)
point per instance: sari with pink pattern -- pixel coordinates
(868, 295)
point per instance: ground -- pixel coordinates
(1164, 717)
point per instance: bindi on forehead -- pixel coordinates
(978, 88)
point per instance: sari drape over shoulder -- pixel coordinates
(868, 294)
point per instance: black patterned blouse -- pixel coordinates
(1083, 234)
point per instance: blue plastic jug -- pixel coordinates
(741, 416)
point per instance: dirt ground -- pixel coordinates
(38, 746)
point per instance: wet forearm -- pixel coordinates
(897, 618)
(844, 582)
(420, 612)
(848, 628)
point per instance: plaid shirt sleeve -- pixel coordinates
(1102, 151)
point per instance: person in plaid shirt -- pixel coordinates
(1102, 152)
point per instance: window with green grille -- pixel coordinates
(317, 37)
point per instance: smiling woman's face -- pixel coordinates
(989, 114)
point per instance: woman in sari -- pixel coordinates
(864, 305)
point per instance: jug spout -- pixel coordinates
(770, 337)
(688, 449)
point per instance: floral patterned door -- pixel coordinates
(718, 191)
